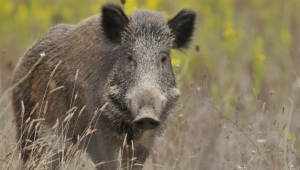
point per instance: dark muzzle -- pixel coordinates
(146, 122)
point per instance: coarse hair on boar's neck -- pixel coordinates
(101, 85)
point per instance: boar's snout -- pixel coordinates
(146, 107)
(146, 119)
(146, 122)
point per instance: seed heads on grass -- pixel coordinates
(56, 89)
(81, 111)
(55, 125)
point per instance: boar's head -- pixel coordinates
(142, 83)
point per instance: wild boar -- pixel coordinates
(99, 85)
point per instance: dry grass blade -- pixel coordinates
(56, 89)
(22, 79)
(81, 111)
(241, 130)
(99, 164)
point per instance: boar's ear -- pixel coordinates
(113, 22)
(182, 27)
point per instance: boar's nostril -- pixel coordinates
(146, 123)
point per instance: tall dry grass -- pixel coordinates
(239, 82)
(51, 148)
(258, 134)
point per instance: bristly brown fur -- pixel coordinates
(93, 81)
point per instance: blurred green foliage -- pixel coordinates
(234, 36)
(239, 47)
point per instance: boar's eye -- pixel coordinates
(163, 59)
(130, 58)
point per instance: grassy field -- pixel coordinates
(240, 82)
